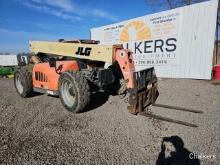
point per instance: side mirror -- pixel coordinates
(52, 62)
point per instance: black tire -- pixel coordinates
(24, 77)
(74, 91)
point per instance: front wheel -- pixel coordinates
(74, 91)
(23, 82)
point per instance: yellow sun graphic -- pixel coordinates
(135, 30)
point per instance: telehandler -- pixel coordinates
(74, 69)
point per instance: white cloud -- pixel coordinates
(65, 5)
(102, 14)
(67, 9)
(48, 10)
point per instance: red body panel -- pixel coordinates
(46, 77)
(125, 60)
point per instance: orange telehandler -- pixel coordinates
(74, 69)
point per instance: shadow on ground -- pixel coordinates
(97, 100)
(173, 152)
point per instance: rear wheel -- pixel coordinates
(23, 82)
(74, 91)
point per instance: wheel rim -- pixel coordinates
(19, 85)
(68, 93)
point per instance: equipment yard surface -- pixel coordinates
(39, 130)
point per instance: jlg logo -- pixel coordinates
(83, 51)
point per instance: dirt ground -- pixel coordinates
(38, 130)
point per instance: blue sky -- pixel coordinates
(24, 20)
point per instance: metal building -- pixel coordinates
(178, 42)
(13, 59)
(8, 60)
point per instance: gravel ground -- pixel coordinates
(38, 130)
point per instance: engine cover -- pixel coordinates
(46, 77)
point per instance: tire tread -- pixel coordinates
(82, 87)
(26, 77)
